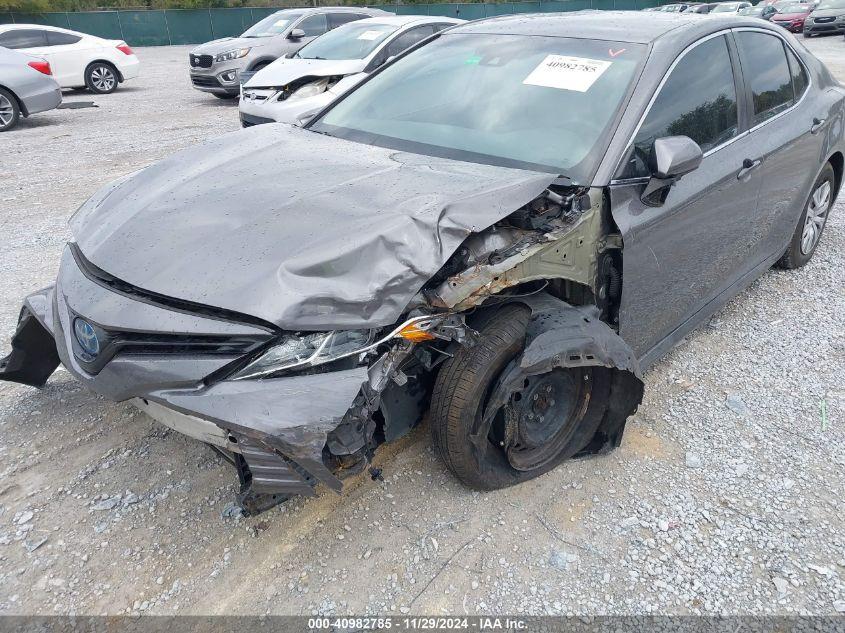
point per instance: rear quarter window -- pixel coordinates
(55, 38)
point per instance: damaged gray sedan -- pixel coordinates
(503, 228)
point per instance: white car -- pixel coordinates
(291, 88)
(77, 60)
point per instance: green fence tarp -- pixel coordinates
(194, 26)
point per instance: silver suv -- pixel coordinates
(216, 65)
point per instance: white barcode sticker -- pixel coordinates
(369, 35)
(567, 73)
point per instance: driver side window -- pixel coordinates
(698, 100)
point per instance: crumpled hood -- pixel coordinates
(297, 228)
(224, 44)
(283, 71)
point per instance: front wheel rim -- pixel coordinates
(817, 209)
(102, 78)
(7, 111)
(542, 416)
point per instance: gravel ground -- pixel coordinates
(725, 496)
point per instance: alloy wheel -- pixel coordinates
(817, 210)
(103, 78)
(7, 111)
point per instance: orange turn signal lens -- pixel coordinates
(412, 332)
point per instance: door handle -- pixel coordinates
(818, 124)
(748, 166)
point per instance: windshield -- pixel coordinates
(724, 8)
(350, 41)
(752, 11)
(831, 4)
(793, 8)
(272, 25)
(542, 103)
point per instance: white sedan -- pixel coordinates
(295, 87)
(77, 60)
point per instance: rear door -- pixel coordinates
(679, 257)
(789, 122)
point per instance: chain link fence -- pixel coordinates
(194, 26)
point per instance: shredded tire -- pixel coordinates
(463, 387)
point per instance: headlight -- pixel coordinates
(310, 90)
(310, 350)
(229, 55)
(307, 351)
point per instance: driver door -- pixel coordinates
(679, 257)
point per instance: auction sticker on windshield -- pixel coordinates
(567, 73)
(370, 35)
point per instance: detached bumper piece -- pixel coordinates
(267, 479)
(34, 357)
(249, 120)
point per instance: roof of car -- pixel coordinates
(302, 10)
(46, 27)
(621, 26)
(403, 20)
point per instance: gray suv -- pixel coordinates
(216, 65)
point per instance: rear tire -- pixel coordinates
(101, 78)
(10, 112)
(463, 388)
(811, 224)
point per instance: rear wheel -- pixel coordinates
(9, 110)
(548, 419)
(101, 78)
(813, 219)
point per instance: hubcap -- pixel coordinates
(102, 78)
(6, 111)
(817, 210)
(540, 418)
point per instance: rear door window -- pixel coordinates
(697, 100)
(767, 73)
(23, 38)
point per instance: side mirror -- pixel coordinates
(671, 158)
(296, 34)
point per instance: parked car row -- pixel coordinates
(810, 18)
(64, 59)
